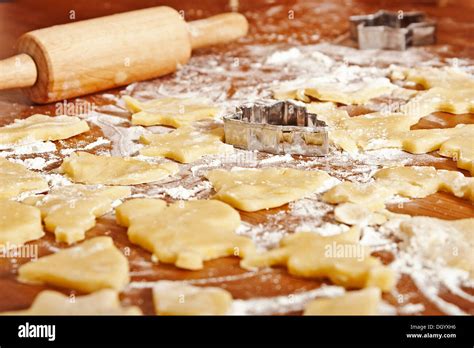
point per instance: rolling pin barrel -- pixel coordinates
(79, 58)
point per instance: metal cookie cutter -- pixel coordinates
(392, 30)
(278, 128)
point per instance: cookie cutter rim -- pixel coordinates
(276, 127)
(386, 30)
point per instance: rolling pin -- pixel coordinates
(83, 57)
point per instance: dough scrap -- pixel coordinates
(376, 131)
(42, 128)
(412, 182)
(256, 189)
(185, 144)
(93, 265)
(86, 168)
(359, 214)
(69, 211)
(184, 233)
(103, 302)
(448, 241)
(448, 89)
(335, 91)
(340, 258)
(173, 112)
(16, 179)
(360, 302)
(173, 298)
(19, 223)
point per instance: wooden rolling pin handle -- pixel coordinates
(17, 71)
(218, 29)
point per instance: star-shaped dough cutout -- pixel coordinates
(69, 211)
(42, 128)
(173, 112)
(184, 233)
(16, 179)
(19, 223)
(83, 167)
(93, 265)
(256, 189)
(174, 298)
(357, 93)
(340, 258)
(102, 302)
(185, 144)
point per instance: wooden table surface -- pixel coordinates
(269, 24)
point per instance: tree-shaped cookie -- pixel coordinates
(69, 211)
(86, 168)
(90, 266)
(16, 178)
(184, 233)
(185, 144)
(174, 298)
(339, 258)
(19, 223)
(256, 189)
(42, 128)
(173, 112)
(102, 302)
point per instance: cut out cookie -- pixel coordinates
(461, 150)
(90, 266)
(103, 302)
(450, 242)
(412, 182)
(334, 91)
(16, 178)
(173, 112)
(361, 302)
(42, 128)
(173, 298)
(69, 211)
(19, 223)
(256, 189)
(86, 168)
(185, 144)
(340, 258)
(449, 90)
(184, 233)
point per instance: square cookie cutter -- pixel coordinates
(281, 127)
(392, 30)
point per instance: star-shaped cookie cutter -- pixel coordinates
(276, 127)
(392, 30)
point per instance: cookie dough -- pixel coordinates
(360, 302)
(184, 233)
(42, 128)
(461, 150)
(185, 144)
(256, 189)
(340, 258)
(173, 112)
(412, 182)
(90, 266)
(86, 168)
(16, 179)
(448, 89)
(69, 211)
(103, 302)
(173, 298)
(19, 223)
(334, 91)
(450, 242)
